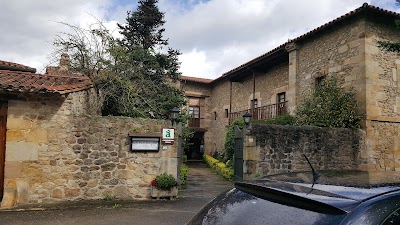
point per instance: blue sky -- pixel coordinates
(214, 36)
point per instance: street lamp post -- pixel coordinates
(174, 117)
(246, 118)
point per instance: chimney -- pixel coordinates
(64, 62)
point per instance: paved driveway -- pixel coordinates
(204, 185)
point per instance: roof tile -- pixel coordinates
(196, 79)
(4, 65)
(31, 82)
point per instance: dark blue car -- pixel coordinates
(330, 197)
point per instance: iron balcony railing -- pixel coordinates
(261, 113)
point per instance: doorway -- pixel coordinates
(3, 129)
(196, 150)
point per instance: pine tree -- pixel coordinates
(144, 27)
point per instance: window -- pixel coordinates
(281, 108)
(254, 103)
(215, 115)
(393, 218)
(319, 81)
(226, 113)
(194, 112)
(282, 97)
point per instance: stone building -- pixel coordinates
(55, 146)
(275, 82)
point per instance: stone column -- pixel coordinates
(293, 50)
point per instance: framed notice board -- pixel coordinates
(145, 142)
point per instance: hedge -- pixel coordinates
(184, 174)
(220, 167)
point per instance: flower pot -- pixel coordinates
(158, 193)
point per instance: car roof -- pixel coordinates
(343, 190)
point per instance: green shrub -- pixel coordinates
(219, 167)
(329, 106)
(164, 181)
(229, 145)
(108, 198)
(184, 174)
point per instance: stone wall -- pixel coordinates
(338, 53)
(55, 153)
(267, 85)
(219, 101)
(383, 97)
(272, 149)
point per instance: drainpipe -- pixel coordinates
(230, 102)
(254, 92)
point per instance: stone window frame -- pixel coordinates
(319, 78)
(279, 95)
(254, 103)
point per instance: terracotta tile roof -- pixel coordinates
(363, 8)
(4, 65)
(196, 79)
(31, 82)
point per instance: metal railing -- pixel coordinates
(261, 113)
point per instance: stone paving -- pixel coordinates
(203, 185)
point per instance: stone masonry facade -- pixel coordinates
(58, 149)
(347, 49)
(273, 149)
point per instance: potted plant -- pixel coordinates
(163, 186)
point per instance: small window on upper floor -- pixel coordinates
(194, 112)
(226, 113)
(215, 115)
(282, 97)
(320, 81)
(254, 103)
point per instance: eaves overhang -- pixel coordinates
(279, 54)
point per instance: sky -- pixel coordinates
(214, 36)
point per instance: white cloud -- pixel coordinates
(214, 36)
(232, 32)
(29, 27)
(195, 64)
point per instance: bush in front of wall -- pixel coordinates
(219, 167)
(329, 106)
(229, 145)
(184, 174)
(164, 181)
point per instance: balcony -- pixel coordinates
(194, 122)
(261, 113)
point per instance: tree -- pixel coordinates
(133, 74)
(391, 46)
(143, 39)
(328, 106)
(144, 27)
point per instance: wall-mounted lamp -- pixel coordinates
(174, 115)
(247, 118)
